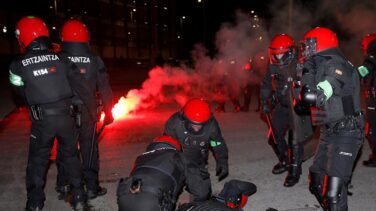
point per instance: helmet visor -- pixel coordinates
(308, 47)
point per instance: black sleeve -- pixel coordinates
(218, 144)
(18, 90)
(103, 86)
(170, 125)
(79, 84)
(266, 85)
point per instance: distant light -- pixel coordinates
(68, 9)
(156, 6)
(262, 57)
(183, 17)
(54, 28)
(85, 12)
(199, 1)
(165, 8)
(134, 10)
(51, 7)
(146, 23)
(232, 62)
(178, 36)
(5, 30)
(255, 16)
(252, 11)
(165, 25)
(254, 26)
(260, 38)
(146, 4)
(139, 63)
(134, 2)
(129, 33)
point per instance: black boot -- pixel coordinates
(371, 162)
(336, 199)
(63, 191)
(92, 194)
(281, 166)
(295, 166)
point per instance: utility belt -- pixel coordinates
(347, 124)
(37, 112)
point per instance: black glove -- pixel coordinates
(108, 118)
(221, 170)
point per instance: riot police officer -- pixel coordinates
(369, 69)
(233, 196)
(75, 46)
(46, 79)
(331, 88)
(198, 131)
(283, 69)
(158, 177)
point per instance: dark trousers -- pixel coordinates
(248, 90)
(371, 119)
(42, 136)
(281, 119)
(335, 157)
(85, 141)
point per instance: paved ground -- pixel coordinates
(251, 159)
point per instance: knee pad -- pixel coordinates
(334, 190)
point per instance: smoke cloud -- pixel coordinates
(222, 77)
(217, 78)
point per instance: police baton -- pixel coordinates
(94, 140)
(269, 120)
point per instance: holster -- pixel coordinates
(76, 113)
(36, 112)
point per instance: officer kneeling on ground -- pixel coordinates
(198, 131)
(233, 196)
(158, 177)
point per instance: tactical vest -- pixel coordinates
(160, 169)
(195, 145)
(45, 77)
(347, 101)
(281, 75)
(86, 62)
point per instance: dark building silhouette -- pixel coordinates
(121, 30)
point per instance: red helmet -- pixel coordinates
(366, 41)
(28, 29)
(281, 50)
(74, 31)
(167, 140)
(197, 111)
(316, 40)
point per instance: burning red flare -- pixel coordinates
(125, 105)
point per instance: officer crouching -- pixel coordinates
(158, 177)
